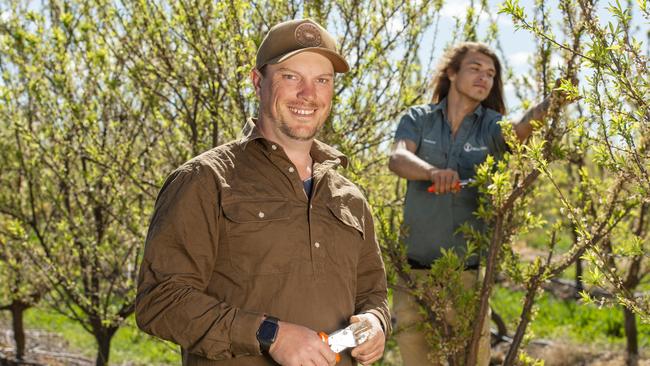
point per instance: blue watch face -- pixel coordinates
(268, 331)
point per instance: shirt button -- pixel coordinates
(291, 169)
(261, 214)
(274, 147)
(317, 244)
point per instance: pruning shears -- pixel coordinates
(348, 337)
(457, 186)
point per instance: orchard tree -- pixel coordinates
(20, 286)
(83, 164)
(611, 135)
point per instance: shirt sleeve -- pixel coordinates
(179, 256)
(372, 293)
(409, 127)
(497, 144)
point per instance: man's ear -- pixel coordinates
(256, 78)
(451, 73)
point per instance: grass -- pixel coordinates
(129, 345)
(568, 320)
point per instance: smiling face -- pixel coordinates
(475, 76)
(295, 96)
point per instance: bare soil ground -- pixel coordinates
(43, 348)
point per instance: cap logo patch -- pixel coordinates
(308, 35)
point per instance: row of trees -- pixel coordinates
(100, 99)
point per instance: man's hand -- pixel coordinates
(444, 180)
(296, 345)
(372, 349)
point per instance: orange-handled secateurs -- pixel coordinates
(457, 186)
(348, 337)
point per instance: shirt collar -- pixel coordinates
(320, 151)
(249, 133)
(442, 106)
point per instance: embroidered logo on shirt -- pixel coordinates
(469, 147)
(432, 142)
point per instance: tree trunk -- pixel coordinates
(632, 358)
(103, 337)
(17, 309)
(486, 290)
(525, 318)
(579, 286)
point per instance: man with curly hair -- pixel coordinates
(440, 144)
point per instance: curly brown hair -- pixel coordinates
(452, 59)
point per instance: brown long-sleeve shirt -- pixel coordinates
(234, 237)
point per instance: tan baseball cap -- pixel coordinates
(289, 38)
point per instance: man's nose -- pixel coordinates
(307, 90)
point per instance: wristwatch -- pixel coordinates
(267, 332)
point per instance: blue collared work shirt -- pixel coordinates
(431, 221)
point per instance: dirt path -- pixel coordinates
(43, 348)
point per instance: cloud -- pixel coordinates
(451, 10)
(521, 58)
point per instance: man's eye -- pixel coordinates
(323, 80)
(289, 77)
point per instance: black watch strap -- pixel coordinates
(267, 332)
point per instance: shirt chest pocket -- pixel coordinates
(431, 151)
(346, 237)
(257, 236)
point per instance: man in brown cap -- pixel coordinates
(257, 245)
